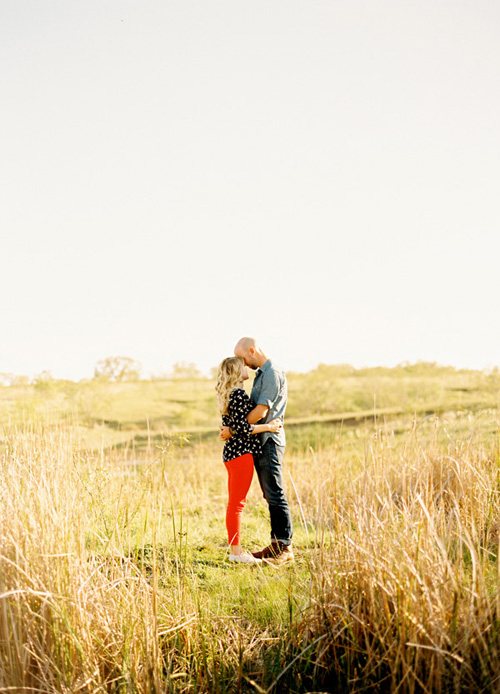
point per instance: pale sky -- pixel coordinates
(323, 175)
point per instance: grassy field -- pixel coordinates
(113, 561)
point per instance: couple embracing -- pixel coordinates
(252, 428)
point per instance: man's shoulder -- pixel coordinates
(276, 369)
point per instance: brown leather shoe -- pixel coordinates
(276, 552)
(269, 552)
(285, 555)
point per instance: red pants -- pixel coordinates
(240, 472)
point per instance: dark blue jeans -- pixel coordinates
(269, 471)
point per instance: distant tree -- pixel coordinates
(118, 369)
(184, 369)
(44, 381)
(10, 379)
(45, 376)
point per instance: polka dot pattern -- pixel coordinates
(242, 441)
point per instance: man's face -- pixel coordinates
(248, 357)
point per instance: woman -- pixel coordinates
(234, 405)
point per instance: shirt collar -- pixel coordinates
(264, 367)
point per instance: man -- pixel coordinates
(269, 392)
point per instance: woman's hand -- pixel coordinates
(275, 425)
(224, 433)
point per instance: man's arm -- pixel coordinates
(254, 416)
(258, 413)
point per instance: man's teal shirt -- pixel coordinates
(270, 389)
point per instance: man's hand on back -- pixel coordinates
(259, 412)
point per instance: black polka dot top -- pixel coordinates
(242, 441)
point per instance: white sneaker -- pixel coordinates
(244, 558)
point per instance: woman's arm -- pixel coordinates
(273, 426)
(237, 408)
(238, 405)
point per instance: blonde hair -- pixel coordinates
(229, 377)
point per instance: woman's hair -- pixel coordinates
(229, 376)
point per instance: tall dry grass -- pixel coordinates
(111, 580)
(96, 592)
(406, 593)
(68, 616)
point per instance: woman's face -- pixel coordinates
(244, 373)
